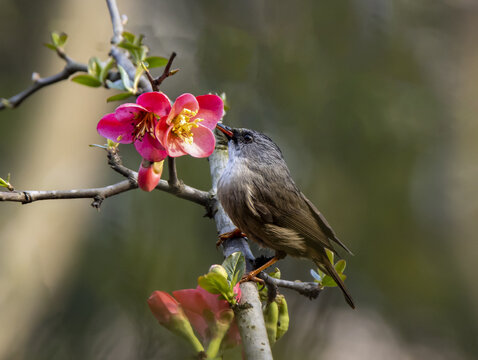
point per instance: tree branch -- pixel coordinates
(248, 313)
(173, 180)
(308, 289)
(98, 194)
(115, 21)
(183, 191)
(70, 68)
(120, 56)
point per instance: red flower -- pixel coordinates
(189, 125)
(203, 309)
(149, 174)
(136, 123)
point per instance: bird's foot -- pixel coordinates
(236, 233)
(251, 277)
(253, 274)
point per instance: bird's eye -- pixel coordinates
(248, 138)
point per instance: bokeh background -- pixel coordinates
(373, 103)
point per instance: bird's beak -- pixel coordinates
(226, 130)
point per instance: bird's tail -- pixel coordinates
(325, 265)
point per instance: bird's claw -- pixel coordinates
(236, 233)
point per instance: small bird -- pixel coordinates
(259, 195)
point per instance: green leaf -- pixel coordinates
(94, 67)
(329, 282)
(50, 46)
(340, 266)
(55, 38)
(118, 97)
(156, 61)
(129, 37)
(137, 77)
(235, 266)
(62, 39)
(86, 80)
(125, 78)
(216, 284)
(275, 274)
(143, 52)
(139, 40)
(128, 46)
(106, 68)
(330, 255)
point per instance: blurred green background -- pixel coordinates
(373, 104)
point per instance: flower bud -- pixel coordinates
(218, 269)
(149, 174)
(170, 314)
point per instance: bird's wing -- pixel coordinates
(323, 223)
(296, 216)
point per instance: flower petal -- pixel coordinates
(110, 128)
(149, 174)
(163, 306)
(171, 142)
(150, 148)
(155, 102)
(211, 110)
(184, 101)
(193, 305)
(129, 112)
(203, 144)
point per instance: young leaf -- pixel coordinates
(106, 68)
(62, 39)
(156, 61)
(118, 97)
(330, 255)
(86, 80)
(235, 266)
(137, 77)
(129, 37)
(50, 46)
(128, 46)
(125, 78)
(55, 38)
(216, 284)
(340, 266)
(94, 67)
(315, 275)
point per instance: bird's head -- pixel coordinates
(251, 145)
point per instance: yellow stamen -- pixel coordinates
(182, 125)
(145, 125)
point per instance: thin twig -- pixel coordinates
(167, 71)
(309, 289)
(155, 83)
(184, 191)
(173, 180)
(98, 194)
(70, 68)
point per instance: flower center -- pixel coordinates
(144, 125)
(182, 125)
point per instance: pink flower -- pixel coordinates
(136, 123)
(203, 309)
(164, 307)
(149, 174)
(170, 314)
(189, 125)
